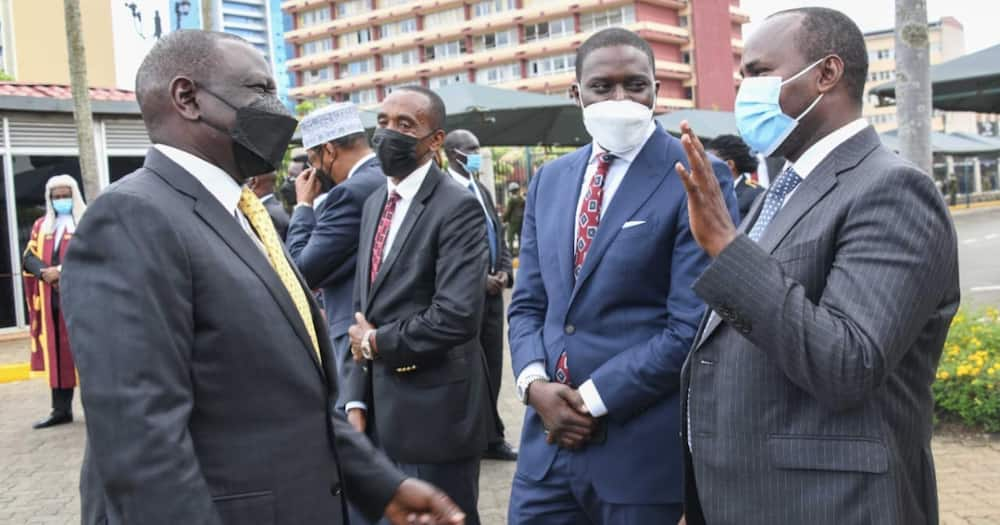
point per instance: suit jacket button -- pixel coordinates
(569, 329)
(335, 489)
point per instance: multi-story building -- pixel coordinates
(947, 41)
(360, 50)
(260, 23)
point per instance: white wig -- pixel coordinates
(62, 181)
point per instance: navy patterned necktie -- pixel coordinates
(774, 201)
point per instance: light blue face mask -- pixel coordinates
(473, 161)
(759, 118)
(62, 206)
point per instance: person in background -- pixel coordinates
(513, 215)
(50, 344)
(421, 390)
(263, 187)
(808, 392)
(603, 313)
(462, 149)
(323, 242)
(287, 188)
(736, 154)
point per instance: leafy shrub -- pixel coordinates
(968, 378)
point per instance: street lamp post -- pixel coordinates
(182, 8)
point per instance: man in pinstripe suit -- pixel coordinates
(808, 389)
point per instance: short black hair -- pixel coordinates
(611, 37)
(437, 112)
(731, 147)
(827, 32)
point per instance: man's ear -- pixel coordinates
(183, 99)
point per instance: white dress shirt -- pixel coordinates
(612, 181)
(64, 224)
(217, 182)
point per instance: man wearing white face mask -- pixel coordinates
(809, 388)
(603, 313)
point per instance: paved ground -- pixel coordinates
(978, 253)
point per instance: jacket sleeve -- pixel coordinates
(370, 479)
(455, 312)
(644, 374)
(896, 257)
(526, 314)
(322, 245)
(133, 353)
(33, 264)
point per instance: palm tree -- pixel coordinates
(81, 99)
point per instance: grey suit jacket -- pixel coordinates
(810, 400)
(205, 400)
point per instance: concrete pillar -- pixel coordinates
(977, 176)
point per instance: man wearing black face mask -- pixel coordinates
(263, 186)
(210, 402)
(324, 242)
(419, 298)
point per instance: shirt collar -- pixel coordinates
(822, 149)
(409, 186)
(213, 178)
(459, 178)
(358, 164)
(628, 156)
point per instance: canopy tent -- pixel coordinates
(949, 143)
(967, 83)
(707, 124)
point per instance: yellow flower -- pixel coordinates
(963, 370)
(954, 350)
(975, 342)
(992, 371)
(943, 374)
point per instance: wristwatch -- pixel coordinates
(366, 345)
(524, 382)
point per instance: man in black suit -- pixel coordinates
(207, 374)
(736, 154)
(323, 242)
(419, 294)
(462, 149)
(263, 186)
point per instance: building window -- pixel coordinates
(394, 87)
(499, 74)
(382, 4)
(443, 18)
(363, 96)
(495, 40)
(883, 54)
(352, 7)
(316, 46)
(448, 80)
(400, 60)
(398, 28)
(613, 17)
(444, 50)
(314, 17)
(316, 76)
(550, 29)
(686, 57)
(355, 38)
(553, 65)
(682, 21)
(358, 67)
(489, 7)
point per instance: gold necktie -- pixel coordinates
(255, 212)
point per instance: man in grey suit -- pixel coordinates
(808, 390)
(207, 374)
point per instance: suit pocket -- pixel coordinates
(847, 454)
(797, 251)
(248, 507)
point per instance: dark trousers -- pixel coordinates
(62, 401)
(567, 497)
(459, 480)
(491, 338)
(342, 354)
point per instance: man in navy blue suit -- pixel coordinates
(323, 242)
(603, 313)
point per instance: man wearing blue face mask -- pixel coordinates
(808, 390)
(603, 314)
(464, 162)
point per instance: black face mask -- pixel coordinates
(260, 134)
(325, 180)
(397, 152)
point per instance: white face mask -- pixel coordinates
(618, 126)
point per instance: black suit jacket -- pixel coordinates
(205, 400)
(746, 194)
(426, 392)
(278, 215)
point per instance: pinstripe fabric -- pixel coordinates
(810, 399)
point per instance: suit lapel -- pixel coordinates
(644, 176)
(368, 229)
(567, 222)
(225, 226)
(412, 216)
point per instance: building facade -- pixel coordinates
(947, 41)
(360, 50)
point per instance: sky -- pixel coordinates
(979, 17)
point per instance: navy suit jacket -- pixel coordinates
(324, 242)
(627, 322)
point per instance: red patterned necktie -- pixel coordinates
(590, 212)
(383, 232)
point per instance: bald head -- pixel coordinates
(460, 139)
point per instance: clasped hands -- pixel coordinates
(565, 416)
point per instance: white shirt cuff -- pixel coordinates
(534, 368)
(591, 398)
(355, 404)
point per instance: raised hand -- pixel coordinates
(711, 223)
